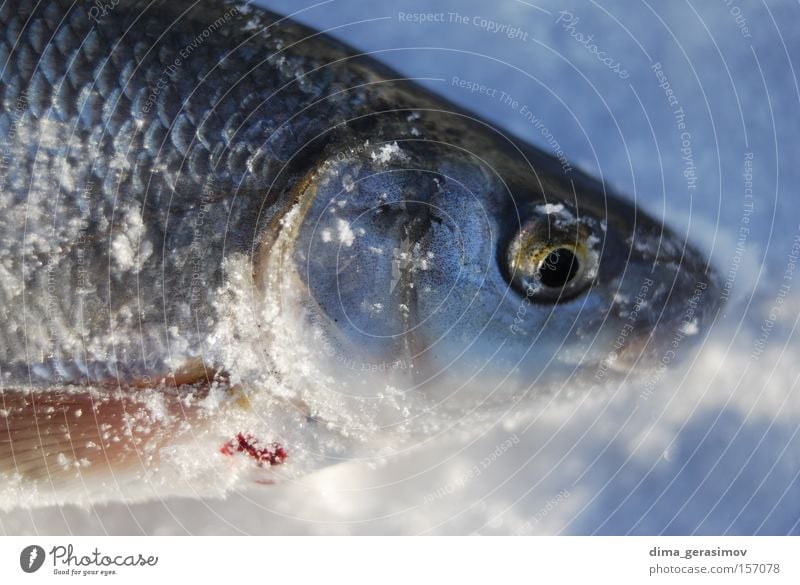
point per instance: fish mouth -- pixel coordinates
(676, 303)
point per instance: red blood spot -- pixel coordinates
(272, 454)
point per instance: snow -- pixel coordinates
(346, 235)
(714, 447)
(690, 328)
(387, 152)
(551, 208)
(125, 247)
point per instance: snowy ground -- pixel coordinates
(715, 448)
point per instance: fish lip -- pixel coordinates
(661, 303)
(687, 314)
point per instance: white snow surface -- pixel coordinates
(714, 448)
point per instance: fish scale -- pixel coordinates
(155, 163)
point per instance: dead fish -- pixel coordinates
(233, 248)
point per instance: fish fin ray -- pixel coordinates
(58, 437)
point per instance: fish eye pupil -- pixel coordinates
(558, 268)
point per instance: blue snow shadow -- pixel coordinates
(723, 476)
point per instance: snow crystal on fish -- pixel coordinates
(550, 208)
(387, 152)
(346, 235)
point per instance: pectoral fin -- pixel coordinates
(64, 438)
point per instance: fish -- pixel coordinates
(236, 250)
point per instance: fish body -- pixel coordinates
(232, 247)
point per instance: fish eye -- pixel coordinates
(558, 268)
(552, 261)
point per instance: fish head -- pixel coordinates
(434, 278)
